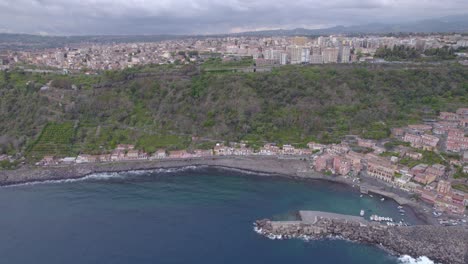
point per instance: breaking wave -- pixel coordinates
(405, 259)
(103, 176)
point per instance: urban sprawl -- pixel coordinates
(90, 57)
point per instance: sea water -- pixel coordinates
(190, 215)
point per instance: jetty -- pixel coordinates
(312, 217)
(442, 244)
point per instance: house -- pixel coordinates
(429, 142)
(429, 196)
(449, 207)
(3, 157)
(456, 141)
(414, 155)
(403, 180)
(462, 112)
(365, 143)
(458, 198)
(288, 150)
(48, 160)
(269, 149)
(463, 123)
(447, 116)
(323, 162)
(132, 154)
(425, 174)
(419, 128)
(203, 152)
(341, 165)
(420, 168)
(338, 149)
(303, 152)
(104, 158)
(442, 128)
(436, 169)
(398, 132)
(221, 150)
(159, 154)
(414, 140)
(117, 155)
(356, 160)
(380, 168)
(444, 187)
(178, 154)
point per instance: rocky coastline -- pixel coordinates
(447, 245)
(267, 165)
(294, 168)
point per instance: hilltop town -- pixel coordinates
(429, 159)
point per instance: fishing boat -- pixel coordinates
(361, 213)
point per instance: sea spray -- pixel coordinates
(405, 259)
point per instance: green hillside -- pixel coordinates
(159, 105)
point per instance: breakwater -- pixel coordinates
(448, 245)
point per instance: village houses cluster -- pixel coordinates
(125, 152)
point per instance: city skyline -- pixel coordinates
(54, 17)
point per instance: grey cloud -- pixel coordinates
(208, 16)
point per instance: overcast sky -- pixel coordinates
(78, 17)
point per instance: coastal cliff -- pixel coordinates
(448, 245)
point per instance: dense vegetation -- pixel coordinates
(408, 53)
(157, 106)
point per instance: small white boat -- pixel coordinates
(360, 195)
(361, 213)
(371, 195)
(383, 199)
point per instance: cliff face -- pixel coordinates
(448, 245)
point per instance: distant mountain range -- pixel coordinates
(457, 24)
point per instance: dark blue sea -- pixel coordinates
(191, 215)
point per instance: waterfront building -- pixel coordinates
(341, 166)
(323, 162)
(380, 168)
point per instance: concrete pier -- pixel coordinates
(312, 217)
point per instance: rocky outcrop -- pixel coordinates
(448, 245)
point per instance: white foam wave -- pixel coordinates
(405, 259)
(244, 171)
(107, 176)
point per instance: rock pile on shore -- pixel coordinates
(448, 245)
